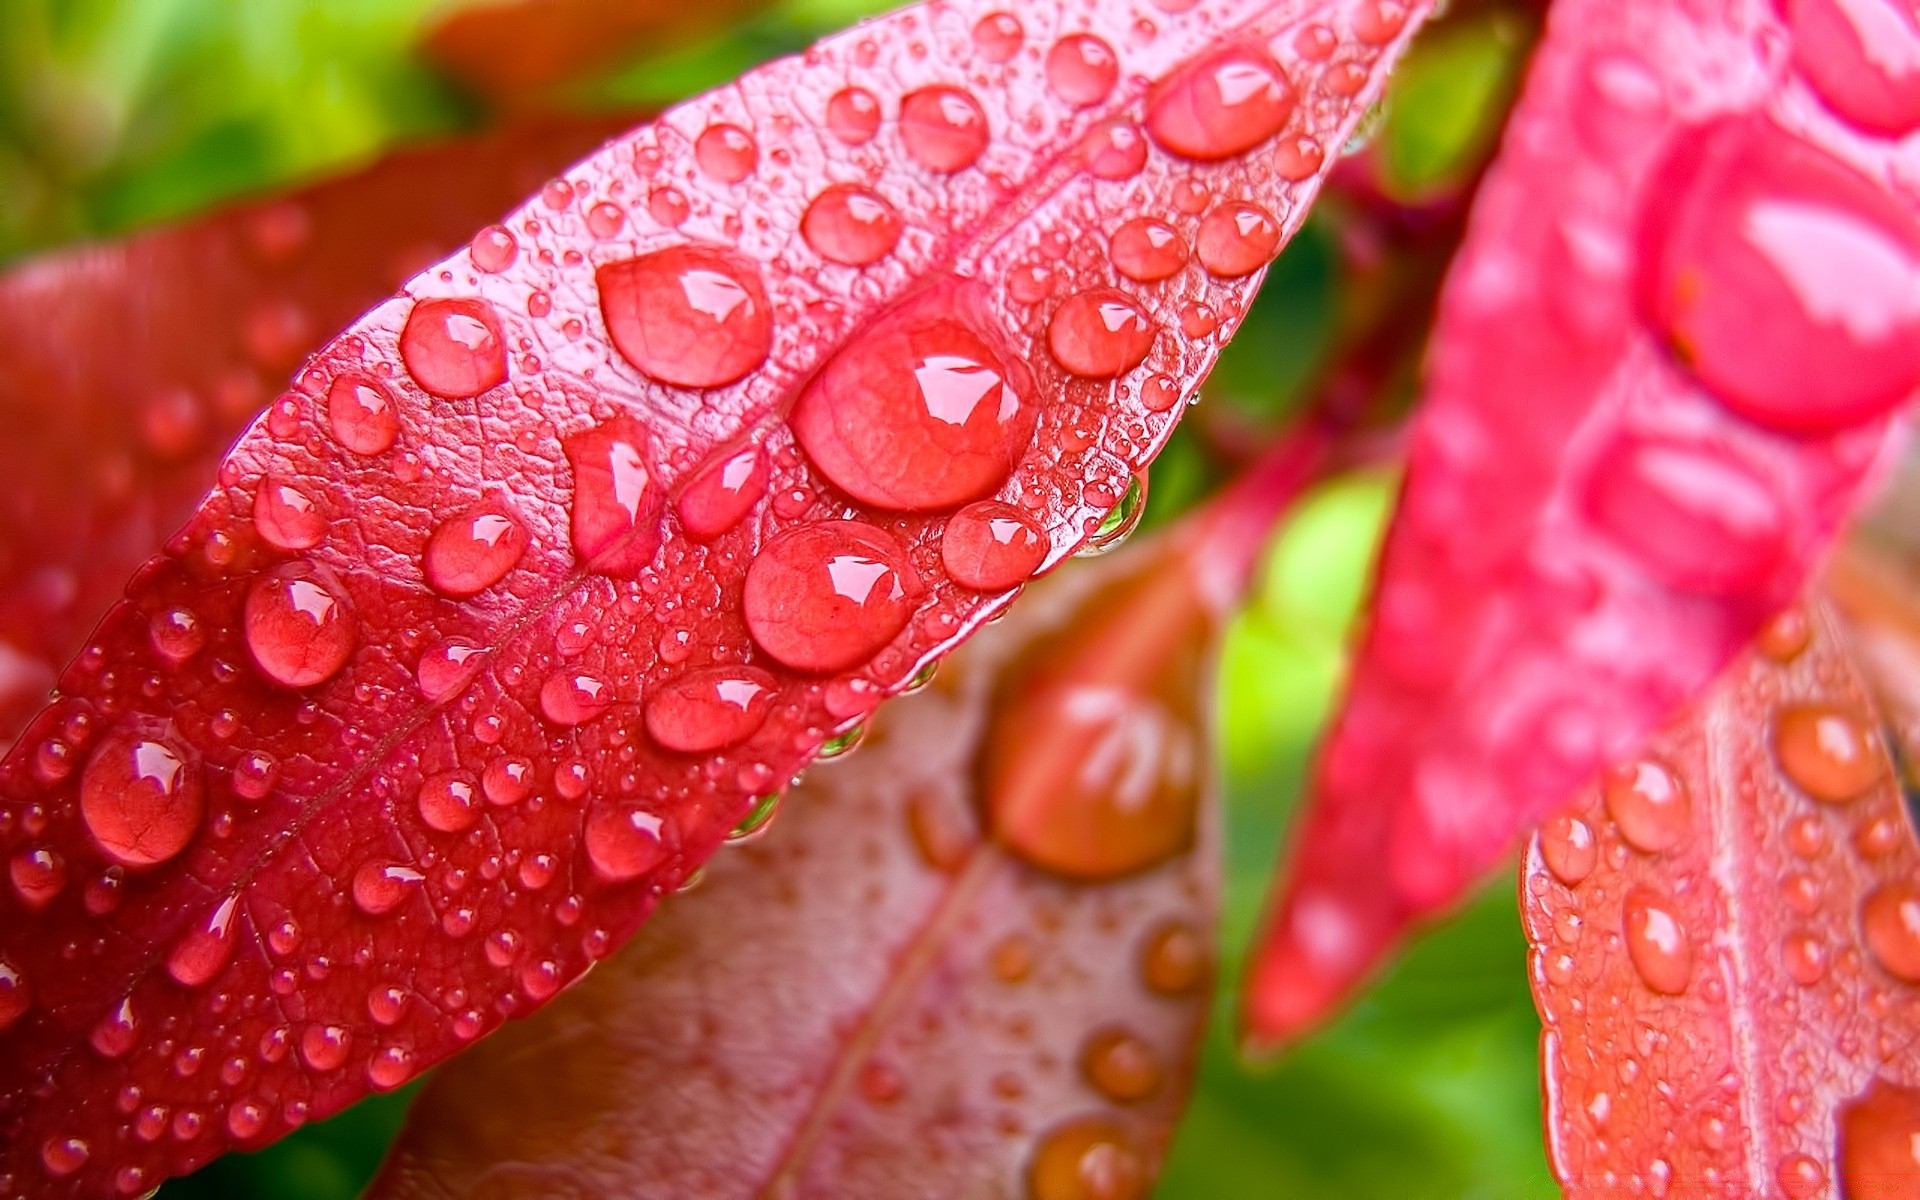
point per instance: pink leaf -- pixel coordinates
(1663, 370)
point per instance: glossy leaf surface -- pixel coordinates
(1657, 386)
(410, 778)
(1723, 954)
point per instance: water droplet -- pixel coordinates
(197, 957)
(1862, 58)
(299, 632)
(116, 1032)
(853, 115)
(1090, 1158)
(386, 1005)
(991, 547)
(1236, 239)
(851, 225)
(1657, 942)
(1121, 1066)
(998, 36)
(1082, 69)
(1890, 919)
(176, 634)
(38, 876)
(623, 844)
(1221, 106)
(141, 797)
(604, 219)
(493, 249)
(615, 523)
(507, 781)
(692, 316)
(1880, 1142)
(1099, 334)
(362, 415)
(880, 1083)
(1113, 150)
(1784, 278)
(726, 152)
(943, 128)
(1174, 960)
(379, 888)
(324, 1047)
(1376, 22)
(1146, 249)
(448, 801)
(710, 709)
(573, 698)
(721, 493)
(1568, 846)
(1829, 753)
(1806, 958)
(15, 996)
(63, 1156)
(825, 597)
(1649, 804)
(1783, 638)
(1698, 519)
(389, 1067)
(924, 411)
(287, 517)
(454, 348)
(1120, 522)
(758, 820)
(1800, 1177)
(470, 553)
(447, 667)
(668, 206)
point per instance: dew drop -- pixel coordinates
(200, 955)
(469, 553)
(454, 348)
(574, 698)
(389, 1067)
(1568, 846)
(493, 249)
(710, 709)
(176, 634)
(728, 153)
(1806, 958)
(825, 597)
(943, 128)
(1099, 334)
(623, 844)
(758, 820)
(1829, 753)
(1649, 804)
(1121, 1066)
(692, 316)
(447, 667)
(379, 888)
(1880, 1142)
(925, 410)
(298, 631)
(1236, 239)
(141, 798)
(1801, 1178)
(718, 495)
(245, 1119)
(998, 36)
(668, 206)
(604, 220)
(1785, 636)
(324, 1047)
(63, 1156)
(1862, 58)
(1890, 920)
(507, 781)
(448, 801)
(853, 116)
(1082, 69)
(1120, 522)
(991, 547)
(1146, 250)
(287, 517)
(615, 520)
(361, 413)
(1174, 960)
(39, 875)
(1657, 942)
(1698, 519)
(116, 1033)
(1113, 150)
(1220, 106)
(851, 225)
(1090, 1158)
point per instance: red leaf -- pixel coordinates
(1722, 952)
(872, 1001)
(1657, 385)
(321, 932)
(125, 370)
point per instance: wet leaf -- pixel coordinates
(1639, 435)
(915, 983)
(111, 450)
(1723, 951)
(720, 433)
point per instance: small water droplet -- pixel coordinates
(63, 1156)
(287, 517)
(728, 153)
(1656, 941)
(1801, 1178)
(454, 348)
(324, 1047)
(1568, 846)
(991, 547)
(1147, 249)
(1221, 106)
(1829, 753)
(1082, 69)
(362, 415)
(1649, 804)
(1121, 1066)
(141, 798)
(1806, 958)
(940, 830)
(759, 818)
(1099, 334)
(1120, 522)
(389, 1067)
(851, 225)
(445, 668)
(448, 801)
(709, 709)
(1880, 1141)
(299, 632)
(943, 128)
(116, 1032)
(623, 844)
(39, 875)
(718, 495)
(379, 888)
(493, 249)
(176, 634)
(1090, 1158)
(998, 36)
(1890, 920)
(693, 316)
(1783, 638)
(201, 954)
(15, 996)
(1236, 239)
(574, 698)
(825, 597)
(469, 553)
(507, 781)
(604, 220)
(1113, 150)
(853, 115)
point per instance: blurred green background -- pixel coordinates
(117, 114)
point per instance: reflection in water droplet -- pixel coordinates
(454, 348)
(1657, 942)
(1090, 1158)
(825, 597)
(469, 553)
(1221, 106)
(299, 632)
(176, 634)
(719, 494)
(379, 888)
(141, 798)
(1119, 523)
(1649, 805)
(116, 1032)
(446, 667)
(1863, 58)
(1829, 753)
(1698, 518)
(286, 517)
(1099, 334)
(574, 697)
(759, 818)
(62, 1156)
(693, 316)
(362, 415)
(851, 225)
(710, 709)
(991, 547)
(943, 128)
(1236, 239)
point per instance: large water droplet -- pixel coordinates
(1787, 280)
(991, 547)
(1082, 69)
(453, 348)
(1698, 519)
(851, 225)
(710, 709)
(378, 888)
(1649, 804)
(1569, 848)
(1091, 1158)
(1099, 334)
(62, 1156)
(362, 414)
(287, 517)
(299, 632)
(1236, 239)
(1890, 919)
(448, 801)
(1863, 58)
(726, 152)
(1147, 249)
(943, 128)
(691, 316)
(826, 597)
(573, 698)
(721, 492)
(1220, 106)
(924, 410)
(1121, 1066)
(1880, 1142)
(615, 521)
(623, 844)
(1656, 941)
(470, 553)
(1829, 753)
(141, 797)
(853, 115)
(198, 956)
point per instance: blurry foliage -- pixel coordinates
(118, 113)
